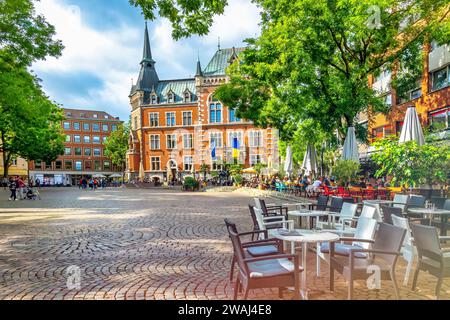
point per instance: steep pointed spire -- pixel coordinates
(199, 72)
(148, 78)
(147, 54)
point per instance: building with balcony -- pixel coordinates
(84, 153)
(174, 123)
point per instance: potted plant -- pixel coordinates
(190, 184)
(345, 171)
(238, 179)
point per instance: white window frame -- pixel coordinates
(240, 136)
(188, 112)
(215, 134)
(150, 119)
(251, 139)
(188, 137)
(174, 116)
(252, 163)
(174, 136)
(151, 163)
(190, 163)
(216, 165)
(159, 141)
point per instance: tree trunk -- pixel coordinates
(6, 163)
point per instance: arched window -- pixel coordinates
(154, 99)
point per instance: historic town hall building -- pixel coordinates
(176, 123)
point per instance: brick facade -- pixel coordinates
(84, 155)
(186, 111)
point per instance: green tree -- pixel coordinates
(411, 165)
(30, 125)
(345, 171)
(24, 35)
(313, 60)
(116, 146)
(187, 16)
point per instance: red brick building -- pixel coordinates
(431, 97)
(84, 154)
(174, 122)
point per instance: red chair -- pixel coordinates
(327, 191)
(382, 194)
(342, 192)
(370, 194)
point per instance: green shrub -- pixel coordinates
(190, 183)
(238, 179)
(345, 171)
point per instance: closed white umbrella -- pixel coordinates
(310, 160)
(412, 129)
(350, 151)
(288, 162)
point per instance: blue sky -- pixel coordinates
(104, 39)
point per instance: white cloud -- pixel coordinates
(108, 55)
(239, 21)
(113, 55)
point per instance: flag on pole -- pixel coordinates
(235, 148)
(213, 150)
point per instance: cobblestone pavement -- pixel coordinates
(139, 244)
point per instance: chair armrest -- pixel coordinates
(274, 217)
(251, 233)
(444, 238)
(264, 241)
(273, 242)
(274, 257)
(356, 239)
(393, 253)
(278, 222)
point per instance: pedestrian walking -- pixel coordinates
(20, 188)
(13, 189)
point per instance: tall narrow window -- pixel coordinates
(171, 141)
(217, 138)
(215, 112)
(187, 118)
(154, 119)
(170, 119)
(154, 142)
(170, 98)
(188, 142)
(232, 116)
(156, 163)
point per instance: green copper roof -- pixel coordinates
(220, 62)
(178, 87)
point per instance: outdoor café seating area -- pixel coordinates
(360, 241)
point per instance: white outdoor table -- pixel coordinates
(308, 214)
(298, 204)
(304, 237)
(434, 212)
(378, 202)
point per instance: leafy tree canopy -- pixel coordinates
(187, 16)
(308, 71)
(25, 36)
(116, 145)
(29, 122)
